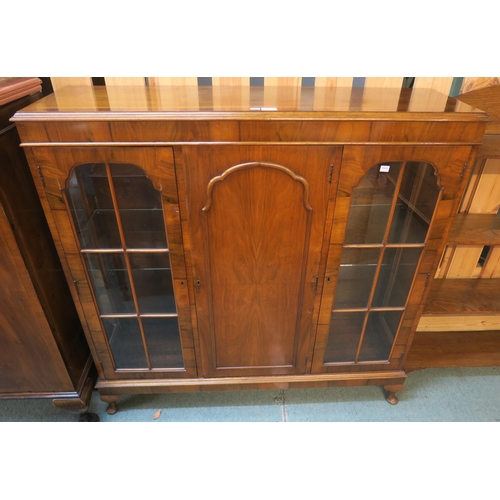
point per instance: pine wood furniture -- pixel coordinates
(43, 350)
(249, 238)
(460, 325)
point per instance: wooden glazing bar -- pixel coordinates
(381, 245)
(350, 309)
(160, 315)
(88, 214)
(127, 263)
(147, 315)
(124, 315)
(413, 198)
(85, 295)
(387, 309)
(147, 250)
(370, 300)
(102, 250)
(364, 309)
(126, 250)
(380, 259)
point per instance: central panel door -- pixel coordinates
(256, 223)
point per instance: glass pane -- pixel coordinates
(140, 207)
(343, 339)
(153, 282)
(396, 276)
(371, 204)
(125, 340)
(416, 202)
(379, 335)
(89, 198)
(357, 269)
(110, 281)
(164, 344)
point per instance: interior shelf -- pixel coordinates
(475, 229)
(490, 148)
(454, 349)
(463, 296)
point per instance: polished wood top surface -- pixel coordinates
(487, 99)
(246, 103)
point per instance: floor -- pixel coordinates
(431, 395)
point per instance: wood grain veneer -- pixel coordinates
(256, 189)
(43, 349)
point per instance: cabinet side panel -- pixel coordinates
(29, 358)
(25, 214)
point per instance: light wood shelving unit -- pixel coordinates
(460, 325)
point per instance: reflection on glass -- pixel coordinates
(139, 213)
(373, 201)
(343, 339)
(153, 282)
(371, 204)
(140, 207)
(143, 228)
(379, 335)
(110, 281)
(396, 276)
(89, 197)
(164, 344)
(124, 337)
(416, 202)
(357, 269)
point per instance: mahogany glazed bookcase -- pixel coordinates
(256, 240)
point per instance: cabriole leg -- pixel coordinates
(111, 400)
(390, 394)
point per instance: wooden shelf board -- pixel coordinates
(463, 296)
(475, 229)
(459, 322)
(490, 148)
(454, 349)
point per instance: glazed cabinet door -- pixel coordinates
(394, 206)
(114, 216)
(256, 217)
